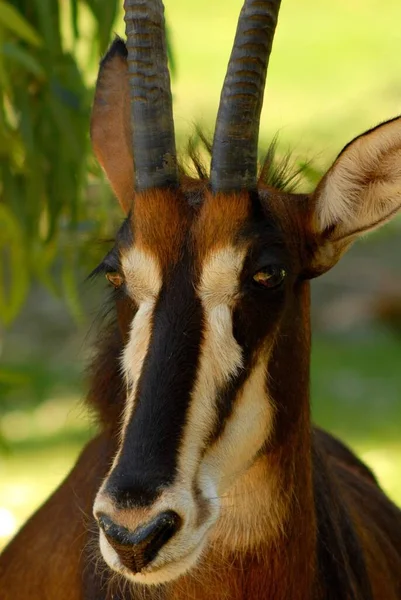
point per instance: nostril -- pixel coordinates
(117, 533)
(158, 532)
(138, 548)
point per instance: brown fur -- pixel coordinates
(160, 221)
(219, 222)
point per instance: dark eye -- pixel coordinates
(270, 277)
(115, 278)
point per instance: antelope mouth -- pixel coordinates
(165, 567)
(155, 545)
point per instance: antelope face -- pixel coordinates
(206, 273)
(208, 285)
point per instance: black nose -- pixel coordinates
(138, 548)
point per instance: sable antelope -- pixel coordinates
(208, 480)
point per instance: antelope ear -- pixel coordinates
(360, 192)
(110, 123)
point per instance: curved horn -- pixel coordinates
(152, 123)
(235, 144)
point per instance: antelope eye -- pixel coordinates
(115, 278)
(270, 277)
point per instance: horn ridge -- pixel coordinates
(152, 125)
(235, 143)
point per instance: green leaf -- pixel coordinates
(4, 448)
(62, 120)
(43, 257)
(74, 18)
(11, 147)
(24, 58)
(15, 272)
(105, 14)
(11, 19)
(48, 19)
(5, 84)
(13, 377)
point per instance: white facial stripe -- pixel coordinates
(142, 274)
(144, 281)
(219, 283)
(238, 484)
(135, 352)
(245, 432)
(221, 356)
(143, 278)
(248, 426)
(221, 359)
(132, 361)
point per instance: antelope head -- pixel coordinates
(211, 277)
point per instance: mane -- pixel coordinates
(106, 390)
(278, 170)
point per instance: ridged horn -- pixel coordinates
(152, 125)
(235, 144)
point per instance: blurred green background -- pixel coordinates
(334, 73)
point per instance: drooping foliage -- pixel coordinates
(44, 121)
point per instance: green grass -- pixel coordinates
(41, 444)
(356, 395)
(27, 479)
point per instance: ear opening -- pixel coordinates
(110, 123)
(359, 193)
